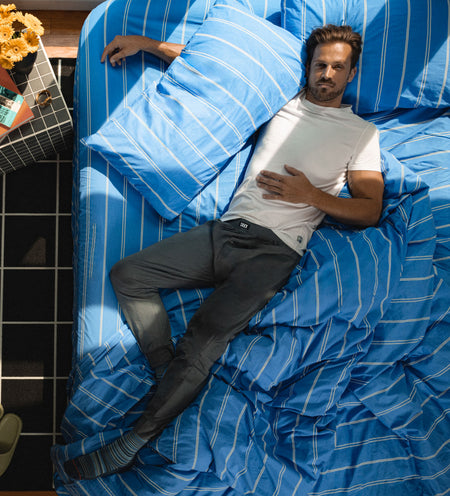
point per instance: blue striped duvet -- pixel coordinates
(341, 384)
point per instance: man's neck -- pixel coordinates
(335, 103)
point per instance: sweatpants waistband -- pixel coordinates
(255, 230)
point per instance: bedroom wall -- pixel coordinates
(36, 305)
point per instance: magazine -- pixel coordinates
(14, 110)
(10, 103)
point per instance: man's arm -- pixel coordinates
(124, 46)
(363, 209)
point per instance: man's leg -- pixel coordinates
(181, 261)
(249, 271)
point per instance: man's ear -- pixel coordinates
(307, 66)
(351, 75)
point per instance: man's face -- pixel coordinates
(328, 74)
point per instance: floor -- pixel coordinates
(36, 286)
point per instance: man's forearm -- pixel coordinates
(124, 46)
(162, 49)
(362, 212)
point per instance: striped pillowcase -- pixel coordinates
(173, 138)
(406, 50)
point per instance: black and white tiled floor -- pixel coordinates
(36, 304)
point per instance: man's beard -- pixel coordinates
(326, 94)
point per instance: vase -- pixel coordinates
(26, 64)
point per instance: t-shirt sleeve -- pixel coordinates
(367, 151)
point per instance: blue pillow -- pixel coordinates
(405, 57)
(173, 138)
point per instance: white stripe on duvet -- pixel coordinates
(82, 328)
(153, 484)
(444, 80)
(359, 73)
(197, 434)
(105, 246)
(233, 448)
(289, 359)
(123, 67)
(294, 453)
(405, 53)
(165, 18)
(143, 33)
(219, 416)
(336, 271)
(270, 354)
(383, 55)
(311, 390)
(344, 372)
(427, 54)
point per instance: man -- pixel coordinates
(303, 157)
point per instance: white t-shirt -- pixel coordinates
(322, 142)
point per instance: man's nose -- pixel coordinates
(327, 72)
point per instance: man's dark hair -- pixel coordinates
(332, 34)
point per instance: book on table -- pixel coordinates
(14, 110)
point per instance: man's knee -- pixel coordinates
(129, 278)
(121, 275)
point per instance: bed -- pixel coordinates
(340, 385)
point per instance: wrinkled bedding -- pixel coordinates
(339, 386)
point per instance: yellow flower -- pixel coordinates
(19, 35)
(31, 22)
(6, 9)
(5, 63)
(32, 40)
(15, 50)
(6, 32)
(8, 18)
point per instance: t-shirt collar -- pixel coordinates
(320, 108)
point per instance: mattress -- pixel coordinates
(339, 386)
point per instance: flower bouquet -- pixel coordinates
(19, 35)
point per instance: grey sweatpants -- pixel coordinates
(245, 263)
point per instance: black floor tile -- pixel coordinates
(28, 350)
(32, 401)
(31, 189)
(29, 295)
(31, 467)
(30, 241)
(66, 154)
